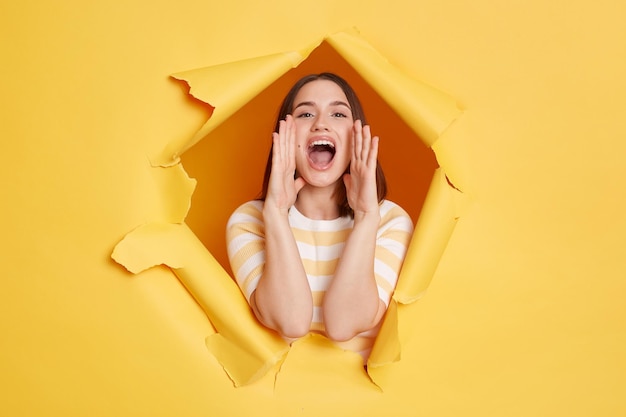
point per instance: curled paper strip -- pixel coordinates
(245, 349)
(429, 241)
(426, 110)
(228, 87)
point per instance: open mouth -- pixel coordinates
(321, 153)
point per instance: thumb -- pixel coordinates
(299, 183)
(347, 180)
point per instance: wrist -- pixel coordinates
(367, 217)
(271, 211)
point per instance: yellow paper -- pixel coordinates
(242, 345)
(428, 111)
(429, 241)
(430, 238)
(227, 87)
(524, 314)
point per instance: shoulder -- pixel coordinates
(247, 211)
(250, 212)
(396, 227)
(391, 212)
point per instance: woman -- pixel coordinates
(321, 249)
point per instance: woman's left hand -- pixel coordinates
(360, 183)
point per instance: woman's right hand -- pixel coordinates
(283, 189)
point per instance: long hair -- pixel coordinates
(357, 114)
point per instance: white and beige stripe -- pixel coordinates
(320, 243)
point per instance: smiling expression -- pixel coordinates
(324, 128)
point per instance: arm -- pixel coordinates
(351, 303)
(282, 300)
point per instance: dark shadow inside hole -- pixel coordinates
(230, 161)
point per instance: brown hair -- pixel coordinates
(357, 114)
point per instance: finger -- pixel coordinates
(373, 155)
(367, 138)
(290, 137)
(284, 146)
(357, 140)
(281, 128)
(275, 147)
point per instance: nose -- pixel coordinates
(319, 124)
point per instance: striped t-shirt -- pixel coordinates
(320, 243)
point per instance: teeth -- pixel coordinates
(322, 142)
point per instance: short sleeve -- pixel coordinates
(245, 239)
(392, 241)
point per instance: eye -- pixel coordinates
(304, 115)
(339, 114)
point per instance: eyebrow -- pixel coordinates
(312, 104)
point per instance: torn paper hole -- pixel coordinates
(227, 158)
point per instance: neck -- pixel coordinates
(318, 203)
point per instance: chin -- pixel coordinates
(322, 178)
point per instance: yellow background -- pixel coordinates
(526, 313)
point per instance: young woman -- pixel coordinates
(321, 249)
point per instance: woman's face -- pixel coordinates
(324, 129)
